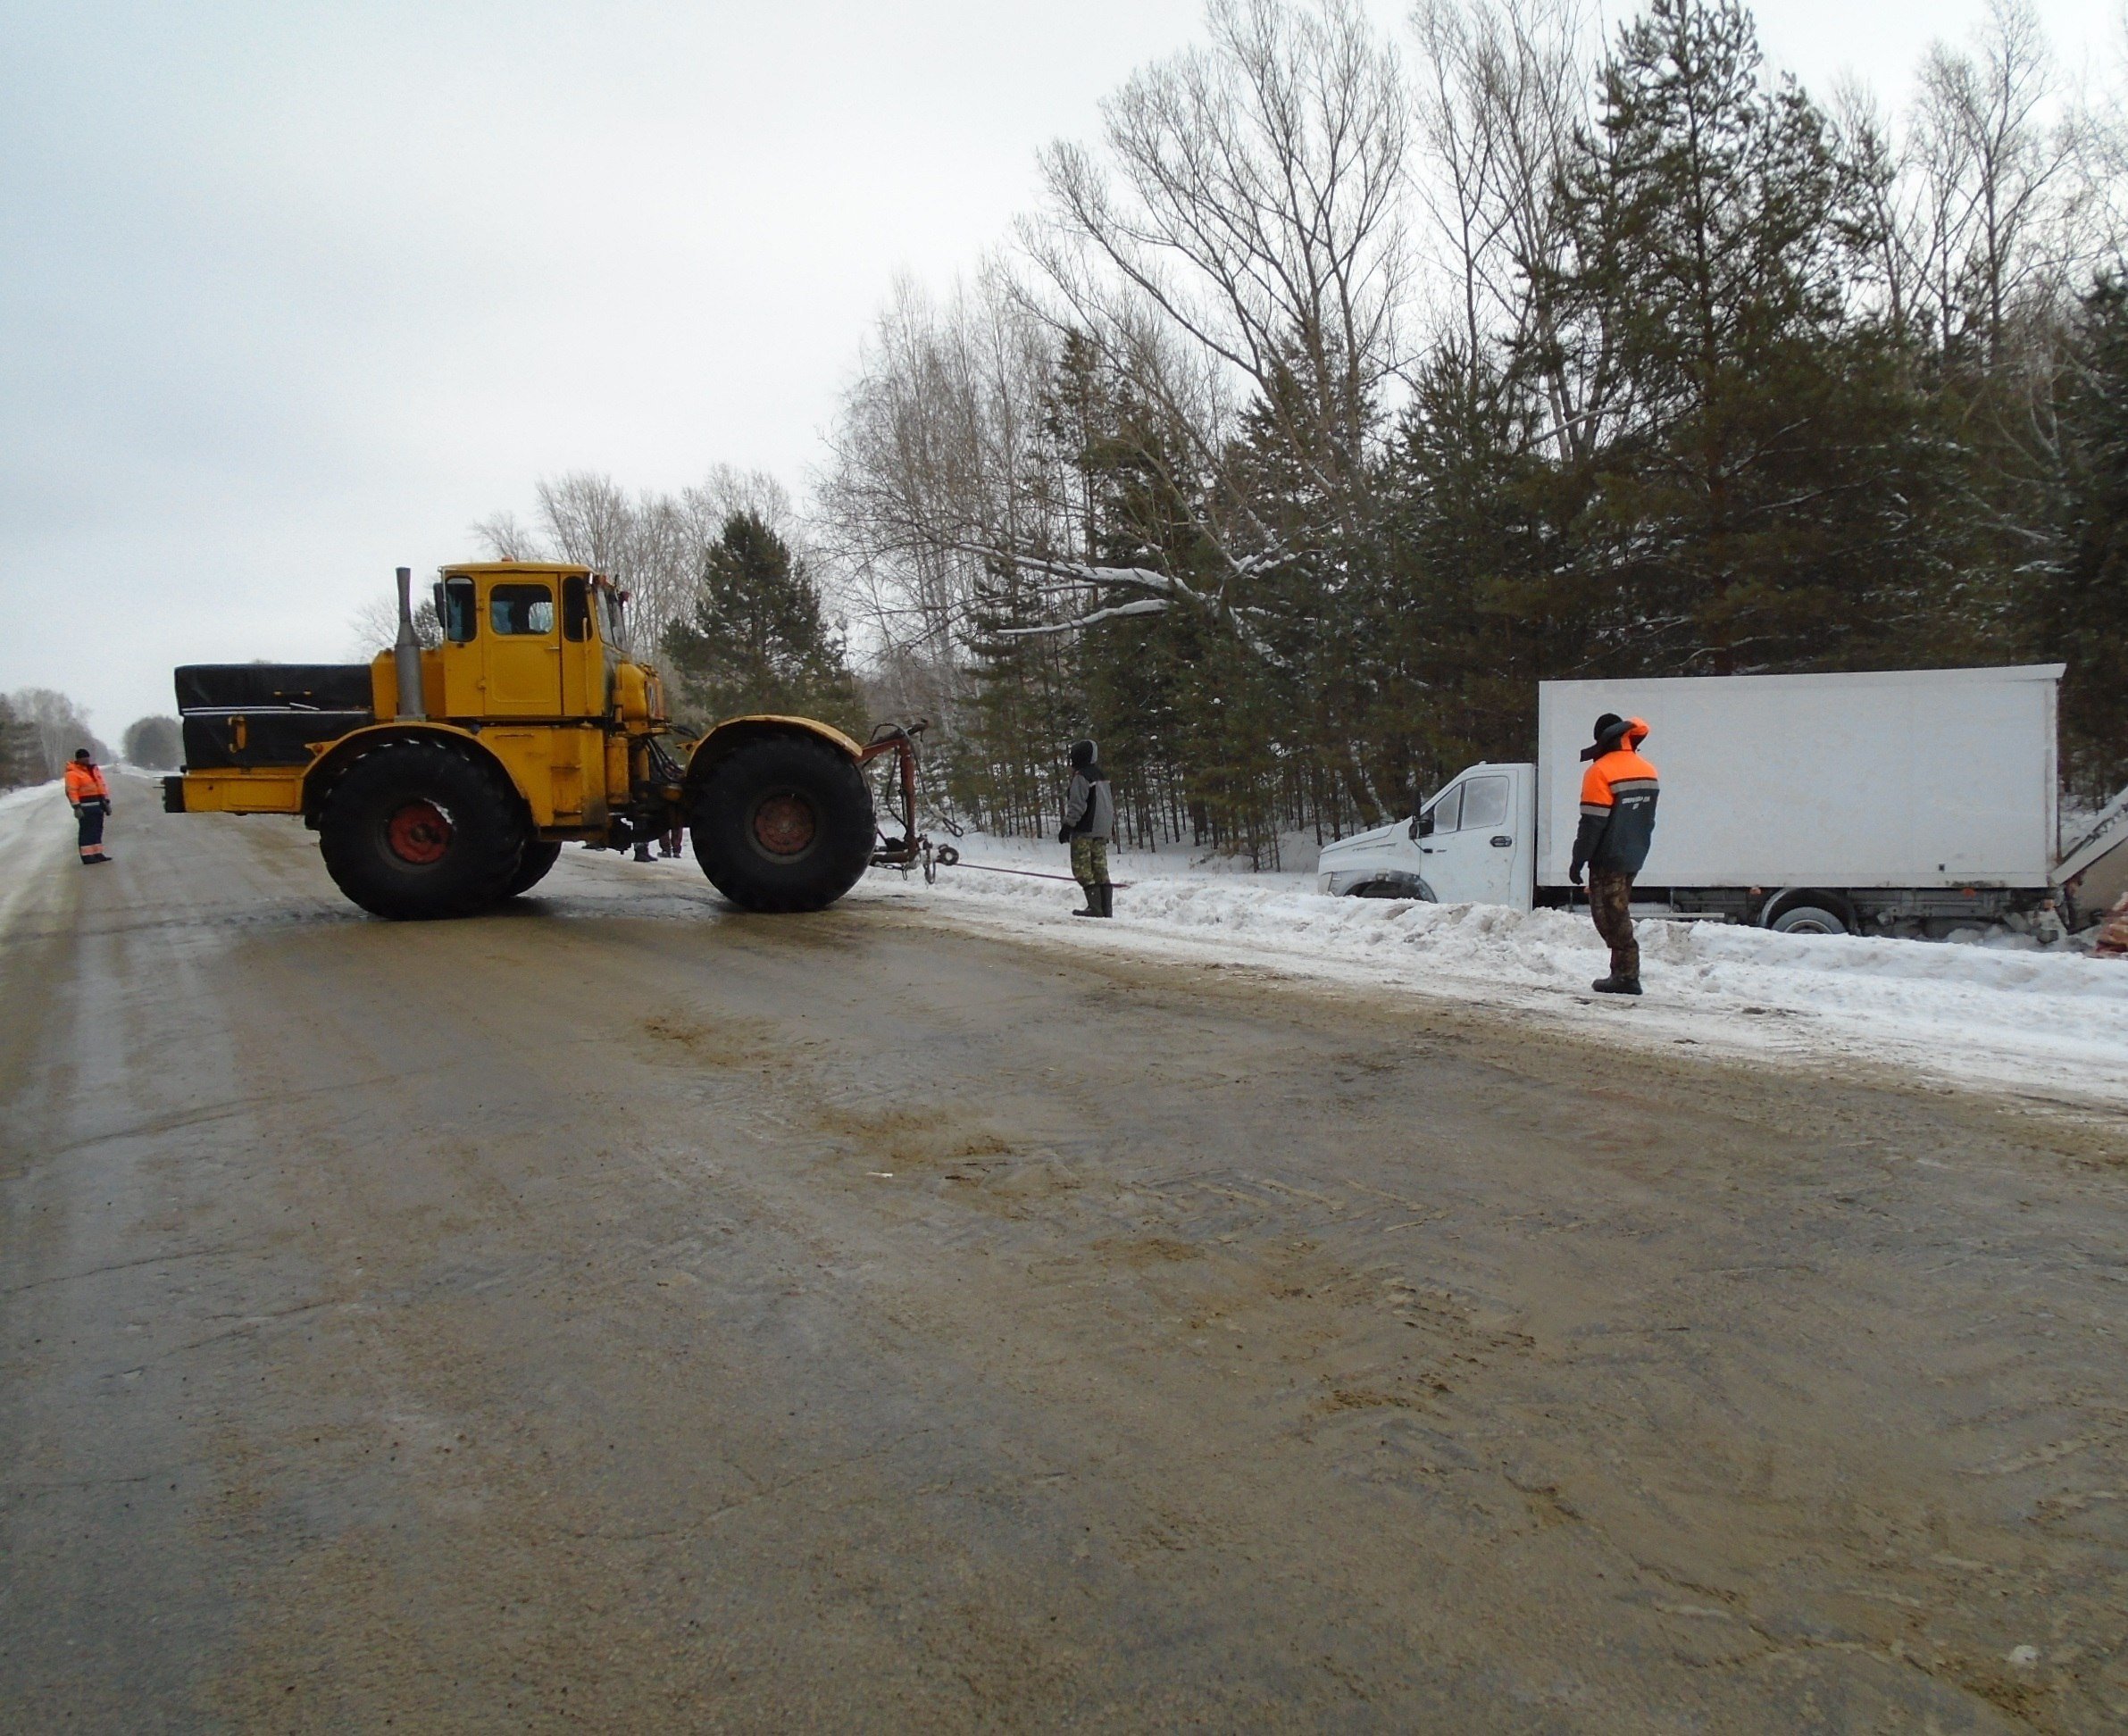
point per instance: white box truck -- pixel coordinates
(1817, 803)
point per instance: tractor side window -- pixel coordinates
(1444, 811)
(460, 621)
(576, 610)
(516, 610)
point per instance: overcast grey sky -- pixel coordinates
(292, 294)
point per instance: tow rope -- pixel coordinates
(947, 857)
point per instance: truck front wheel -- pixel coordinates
(783, 824)
(416, 830)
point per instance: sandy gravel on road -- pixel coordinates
(622, 1312)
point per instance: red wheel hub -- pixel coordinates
(784, 825)
(420, 833)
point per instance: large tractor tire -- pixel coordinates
(783, 824)
(532, 867)
(418, 829)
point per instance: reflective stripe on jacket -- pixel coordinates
(1618, 796)
(85, 783)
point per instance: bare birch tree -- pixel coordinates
(1502, 87)
(1992, 225)
(937, 456)
(1248, 199)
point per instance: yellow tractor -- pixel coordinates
(443, 779)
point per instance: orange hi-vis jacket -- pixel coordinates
(85, 783)
(1618, 796)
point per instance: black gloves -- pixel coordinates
(1063, 834)
(1574, 871)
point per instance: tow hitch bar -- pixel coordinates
(912, 848)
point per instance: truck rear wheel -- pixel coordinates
(1804, 917)
(417, 829)
(783, 824)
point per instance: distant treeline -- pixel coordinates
(39, 731)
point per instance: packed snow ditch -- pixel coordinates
(1997, 1010)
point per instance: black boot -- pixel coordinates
(1615, 984)
(1107, 900)
(1093, 900)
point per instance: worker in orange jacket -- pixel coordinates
(91, 797)
(1618, 793)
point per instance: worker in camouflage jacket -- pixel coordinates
(1618, 794)
(1089, 823)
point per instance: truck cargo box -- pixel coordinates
(1918, 778)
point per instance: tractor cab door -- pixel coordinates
(522, 644)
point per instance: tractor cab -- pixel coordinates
(525, 640)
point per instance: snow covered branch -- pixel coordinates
(1166, 589)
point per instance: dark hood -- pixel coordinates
(1614, 732)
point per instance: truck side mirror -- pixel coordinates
(1422, 825)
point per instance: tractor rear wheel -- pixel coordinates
(532, 866)
(417, 829)
(783, 824)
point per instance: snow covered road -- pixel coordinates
(2002, 1014)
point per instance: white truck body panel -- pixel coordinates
(1915, 777)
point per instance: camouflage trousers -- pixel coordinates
(1089, 861)
(1610, 903)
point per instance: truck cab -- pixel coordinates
(1474, 841)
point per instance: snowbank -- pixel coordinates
(2001, 1013)
(29, 794)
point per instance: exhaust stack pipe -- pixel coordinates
(407, 652)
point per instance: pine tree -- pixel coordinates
(757, 637)
(1025, 708)
(2077, 604)
(1763, 493)
(1478, 612)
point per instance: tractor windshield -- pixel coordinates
(611, 627)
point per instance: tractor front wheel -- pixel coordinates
(783, 824)
(417, 829)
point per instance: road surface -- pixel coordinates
(627, 1314)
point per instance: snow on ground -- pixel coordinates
(2000, 1014)
(30, 793)
(2003, 1015)
(36, 838)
